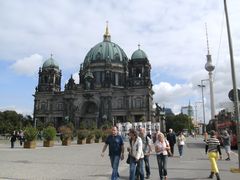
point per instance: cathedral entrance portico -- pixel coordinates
(89, 114)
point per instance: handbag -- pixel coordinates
(128, 159)
(169, 152)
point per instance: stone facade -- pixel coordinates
(111, 89)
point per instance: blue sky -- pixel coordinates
(172, 34)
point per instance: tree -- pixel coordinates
(11, 120)
(179, 122)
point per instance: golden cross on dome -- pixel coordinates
(107, 32)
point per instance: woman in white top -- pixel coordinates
(181, 142)
(136, 155)
(161, 148)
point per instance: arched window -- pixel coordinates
(138, 72)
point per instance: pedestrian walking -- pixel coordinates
(21, 137)
(116, 151)
(213, 150)
(181, 142)
(226, 140)
(13, 139)
(146, 150)
(136, 155)
(161, 148)
(171, 137)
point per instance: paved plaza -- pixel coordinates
(83, 162)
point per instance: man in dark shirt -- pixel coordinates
(171, 137)
(116, 151)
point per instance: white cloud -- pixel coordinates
(28, 65)
(172, 95)
(24, 111)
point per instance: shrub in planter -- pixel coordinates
(90, 137)
(66, 134)
(106, 133)
(82, 135)
(49, 134)
(30, 136)
(98, 135)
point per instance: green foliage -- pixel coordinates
(179, 122)
(11, 120)
(98, 133)
(66, 132)
(40, 125)
(142, 119)
(90, 135)
(106, 132)
(82, 134)
(82, 125)
(30, 133)
(130, 119)
(106, 126)
(49, 133)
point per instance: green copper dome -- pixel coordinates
(139, 54)
(106, 51)
(50, 63)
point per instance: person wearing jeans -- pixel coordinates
(146, 150)
(136, 166)
(162, 165)
(114, 164)
(136, 155)
(181, 142)
(116, 151)
(161, 148)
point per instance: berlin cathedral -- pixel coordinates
(112, 88)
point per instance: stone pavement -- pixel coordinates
(83, 162)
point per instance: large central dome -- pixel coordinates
(106, 51)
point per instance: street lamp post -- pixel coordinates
(235, 91)
(199, 130)
(203, 104)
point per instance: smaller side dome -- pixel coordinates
(50, 63)
(139, 54)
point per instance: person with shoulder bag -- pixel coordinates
(162, 147)
(136, 155)
(146, 150)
